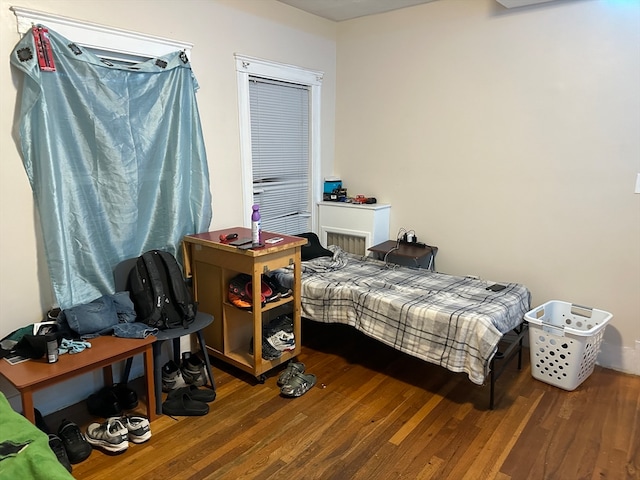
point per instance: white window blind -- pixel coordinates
(280, 154)
(274, 172)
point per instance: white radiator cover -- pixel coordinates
(353, 227)
(348, 242)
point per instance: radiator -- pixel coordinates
(348, 242)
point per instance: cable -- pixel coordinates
(392, 250)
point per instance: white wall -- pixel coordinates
(508, 138)
(218, 29)
(511, 139)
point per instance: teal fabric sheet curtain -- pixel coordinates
(115, 157)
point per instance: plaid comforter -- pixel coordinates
(448, 320)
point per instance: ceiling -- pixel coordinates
(339, 10)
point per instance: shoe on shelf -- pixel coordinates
(239, 301)
(111, 435)
(104, 403)
(266, 294)
(192, 370)
(276, 286)
(172, 377)
(76, 445)
(56, 445)
(138, 428)
(269, 352)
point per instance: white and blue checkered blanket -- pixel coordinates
(448, 320)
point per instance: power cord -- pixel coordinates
(402, 232)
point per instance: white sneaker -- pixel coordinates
(111, 435)
(138, 428)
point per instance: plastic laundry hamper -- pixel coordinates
(564, 341)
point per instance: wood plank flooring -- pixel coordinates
(378, 414)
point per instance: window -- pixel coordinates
(280, 124)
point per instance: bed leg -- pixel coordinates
(520, 355)
(521, 334)
(493, 384)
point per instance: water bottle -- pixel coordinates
(255, 225)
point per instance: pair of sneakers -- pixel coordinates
(115, 433)
(69, 445)
(190, 372)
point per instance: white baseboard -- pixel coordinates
(623, 359)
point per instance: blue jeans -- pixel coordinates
(107, 314)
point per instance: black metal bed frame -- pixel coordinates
(513, 348)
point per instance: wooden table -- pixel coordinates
(27, 377)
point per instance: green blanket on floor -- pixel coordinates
(25, 451)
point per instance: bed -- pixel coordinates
(447, 320)
(25, 451)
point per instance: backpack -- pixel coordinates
(159, 292)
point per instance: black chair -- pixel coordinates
(202, 320)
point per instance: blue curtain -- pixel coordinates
(115, 157)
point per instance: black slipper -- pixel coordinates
(195, 393)
(184, 405)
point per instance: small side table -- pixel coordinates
(27, 377)
(405, 254)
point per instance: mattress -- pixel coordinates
(451, 321)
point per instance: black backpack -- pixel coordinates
(159, 292)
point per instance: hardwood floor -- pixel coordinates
(378, 414)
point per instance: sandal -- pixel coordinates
(298, 385)
(181, 404)
(290, 371)
(195, 393)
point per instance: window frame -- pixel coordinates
(117, 43)
(247, 66)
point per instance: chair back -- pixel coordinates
(121, 274)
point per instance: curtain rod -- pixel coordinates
(99, 36)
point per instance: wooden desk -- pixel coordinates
(27, 377)
(419, 255)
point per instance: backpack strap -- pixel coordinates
(179, 288)
(159, 297)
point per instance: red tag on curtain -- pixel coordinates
(43, 49)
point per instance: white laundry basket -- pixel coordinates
(564, 342)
